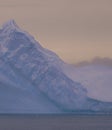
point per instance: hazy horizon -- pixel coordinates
(77, 30)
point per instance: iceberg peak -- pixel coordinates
(11, 30)
(10, 25)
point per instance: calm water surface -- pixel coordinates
(55, 122)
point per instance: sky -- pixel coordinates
(76, 30)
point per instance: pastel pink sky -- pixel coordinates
(75, 29)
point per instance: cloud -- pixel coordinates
(96, 61)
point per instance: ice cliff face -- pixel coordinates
(32, 79)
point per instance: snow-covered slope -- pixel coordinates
(32, 79)
(96, 78)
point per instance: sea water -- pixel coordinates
(55, 122)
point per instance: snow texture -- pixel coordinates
(32, 79)
(97, 79)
